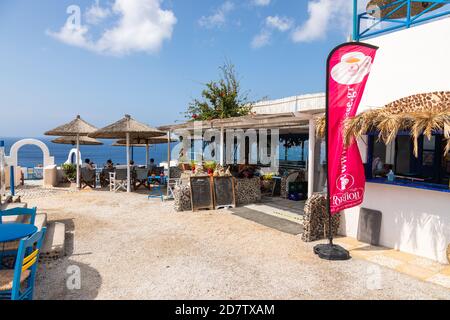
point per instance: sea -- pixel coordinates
(31, 156)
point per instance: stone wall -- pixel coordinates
(248, 191)
(182, 197)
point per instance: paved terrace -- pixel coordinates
(129, 247)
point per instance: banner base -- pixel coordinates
(331, 252)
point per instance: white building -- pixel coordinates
(414, 219)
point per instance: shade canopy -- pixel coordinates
(73, 128)
(143, 142)
(127, 125)
(251, 121)
(73, 141)
(395, 9)
(424, 113)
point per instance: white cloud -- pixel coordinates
(262, 39)
(141, 26)
(261, 3)
(282, 24)
(323, 14)
(96, 14)
(219, 17)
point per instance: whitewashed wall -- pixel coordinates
(414, 221)
(411, 61)
(306, 103)
(408, 62)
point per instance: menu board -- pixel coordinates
(201, 193)
(224, 193)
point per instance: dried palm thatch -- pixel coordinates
(321, 126)
(387, 6)
(127, 125)
(144, 142)
(73, 128)
(86, 141)
(419, 114)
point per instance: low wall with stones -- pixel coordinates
(316, 219)
(248, 191)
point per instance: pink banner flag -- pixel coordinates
(349, 67)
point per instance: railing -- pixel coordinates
(384, 19)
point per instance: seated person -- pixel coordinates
(378, 168)
(89, 164)
(152, 166)
(109, 165)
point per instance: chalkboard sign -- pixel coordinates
(224, 194)
(201, 193)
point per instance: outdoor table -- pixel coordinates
(14, 231)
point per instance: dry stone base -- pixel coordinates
(248, 191)
(316, 219)
(182, 197)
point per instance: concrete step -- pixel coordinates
(54, 242)
(41, 221)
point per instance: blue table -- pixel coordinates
(15, 231)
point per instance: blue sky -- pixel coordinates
(149, 58)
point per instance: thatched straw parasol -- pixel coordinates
(83, 141)
(388, 6)
(420, 114)
(144, 143)
(76, 128)
(127, 128)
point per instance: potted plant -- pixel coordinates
(69, 172)
(210, 166)
(267, 182)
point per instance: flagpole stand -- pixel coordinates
(331, 252)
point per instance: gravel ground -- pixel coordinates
(128, 247)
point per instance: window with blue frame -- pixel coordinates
(431, 166)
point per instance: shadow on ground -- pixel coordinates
(67, 279)
(279, 224)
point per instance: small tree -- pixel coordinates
(221, 99)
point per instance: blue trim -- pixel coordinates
(12, 183)
(408, 184)
(405, 23)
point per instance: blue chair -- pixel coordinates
(19, 212)
(154, 185)
(10, 249)
(18, 283)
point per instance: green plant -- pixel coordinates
(268, 176)
(221, 99)
(70, 171)
(210, 165)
